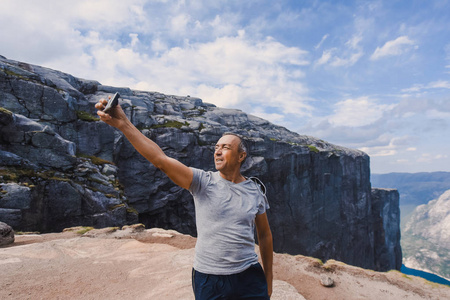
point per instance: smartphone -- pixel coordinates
(113, 101)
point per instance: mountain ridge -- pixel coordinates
(427, 237)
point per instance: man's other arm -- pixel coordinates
(180, 174)
(265, 247)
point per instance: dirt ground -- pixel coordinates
(157, 264)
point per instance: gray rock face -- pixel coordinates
(6, 234)
(15, 196)
(320, 194)
(386, 211)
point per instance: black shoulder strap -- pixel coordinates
(259, 183)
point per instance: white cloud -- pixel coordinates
(272, 117)
(414, 89)
(379, 151)
(429, 157)
(395, 145)
(223, 25)
(394, 134)
(347, 57)
(440, 84)
(326, 56)
(60, 29)
(347, 61)
(438, 114)
(394, 47)
(357, 112)
(402, 161)
(229, 72)
(413, 106)
(134, 39)
(93, 40)
(321, 41)
(225, 96)
(447, 57)
(353, 43)
(232, 70)
(179, 23)
(158, 45)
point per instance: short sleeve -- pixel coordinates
(199, 181)
(263, 205)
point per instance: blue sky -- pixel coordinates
(369, 75)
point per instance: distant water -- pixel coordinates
(428, 276)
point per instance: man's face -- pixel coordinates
(227, 156)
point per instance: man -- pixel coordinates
(227, 206)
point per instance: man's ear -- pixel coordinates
(242, 156)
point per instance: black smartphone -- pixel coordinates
(113, 101)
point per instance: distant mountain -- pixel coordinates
(426, 237)
(414, 188)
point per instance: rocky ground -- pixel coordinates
(156, 264)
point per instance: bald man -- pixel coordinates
(228, 207)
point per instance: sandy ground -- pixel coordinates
(157, 264)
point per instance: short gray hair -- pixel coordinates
(242, 145)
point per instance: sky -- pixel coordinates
(367, 75)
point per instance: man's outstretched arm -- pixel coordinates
(179, 173)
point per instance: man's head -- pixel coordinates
(230, 152)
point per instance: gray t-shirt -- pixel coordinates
(225, 216)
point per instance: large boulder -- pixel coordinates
(6, 234)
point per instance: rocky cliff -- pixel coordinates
(61, 166)
(385, 203)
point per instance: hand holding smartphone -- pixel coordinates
(112, 102)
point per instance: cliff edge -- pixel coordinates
(125, 264)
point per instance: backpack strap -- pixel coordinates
(260, 185)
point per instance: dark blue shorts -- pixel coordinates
(249, 284)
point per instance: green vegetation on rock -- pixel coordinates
(95, 160)
(170, 124)
(313, 149)
(5, 111)
(85, 116)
